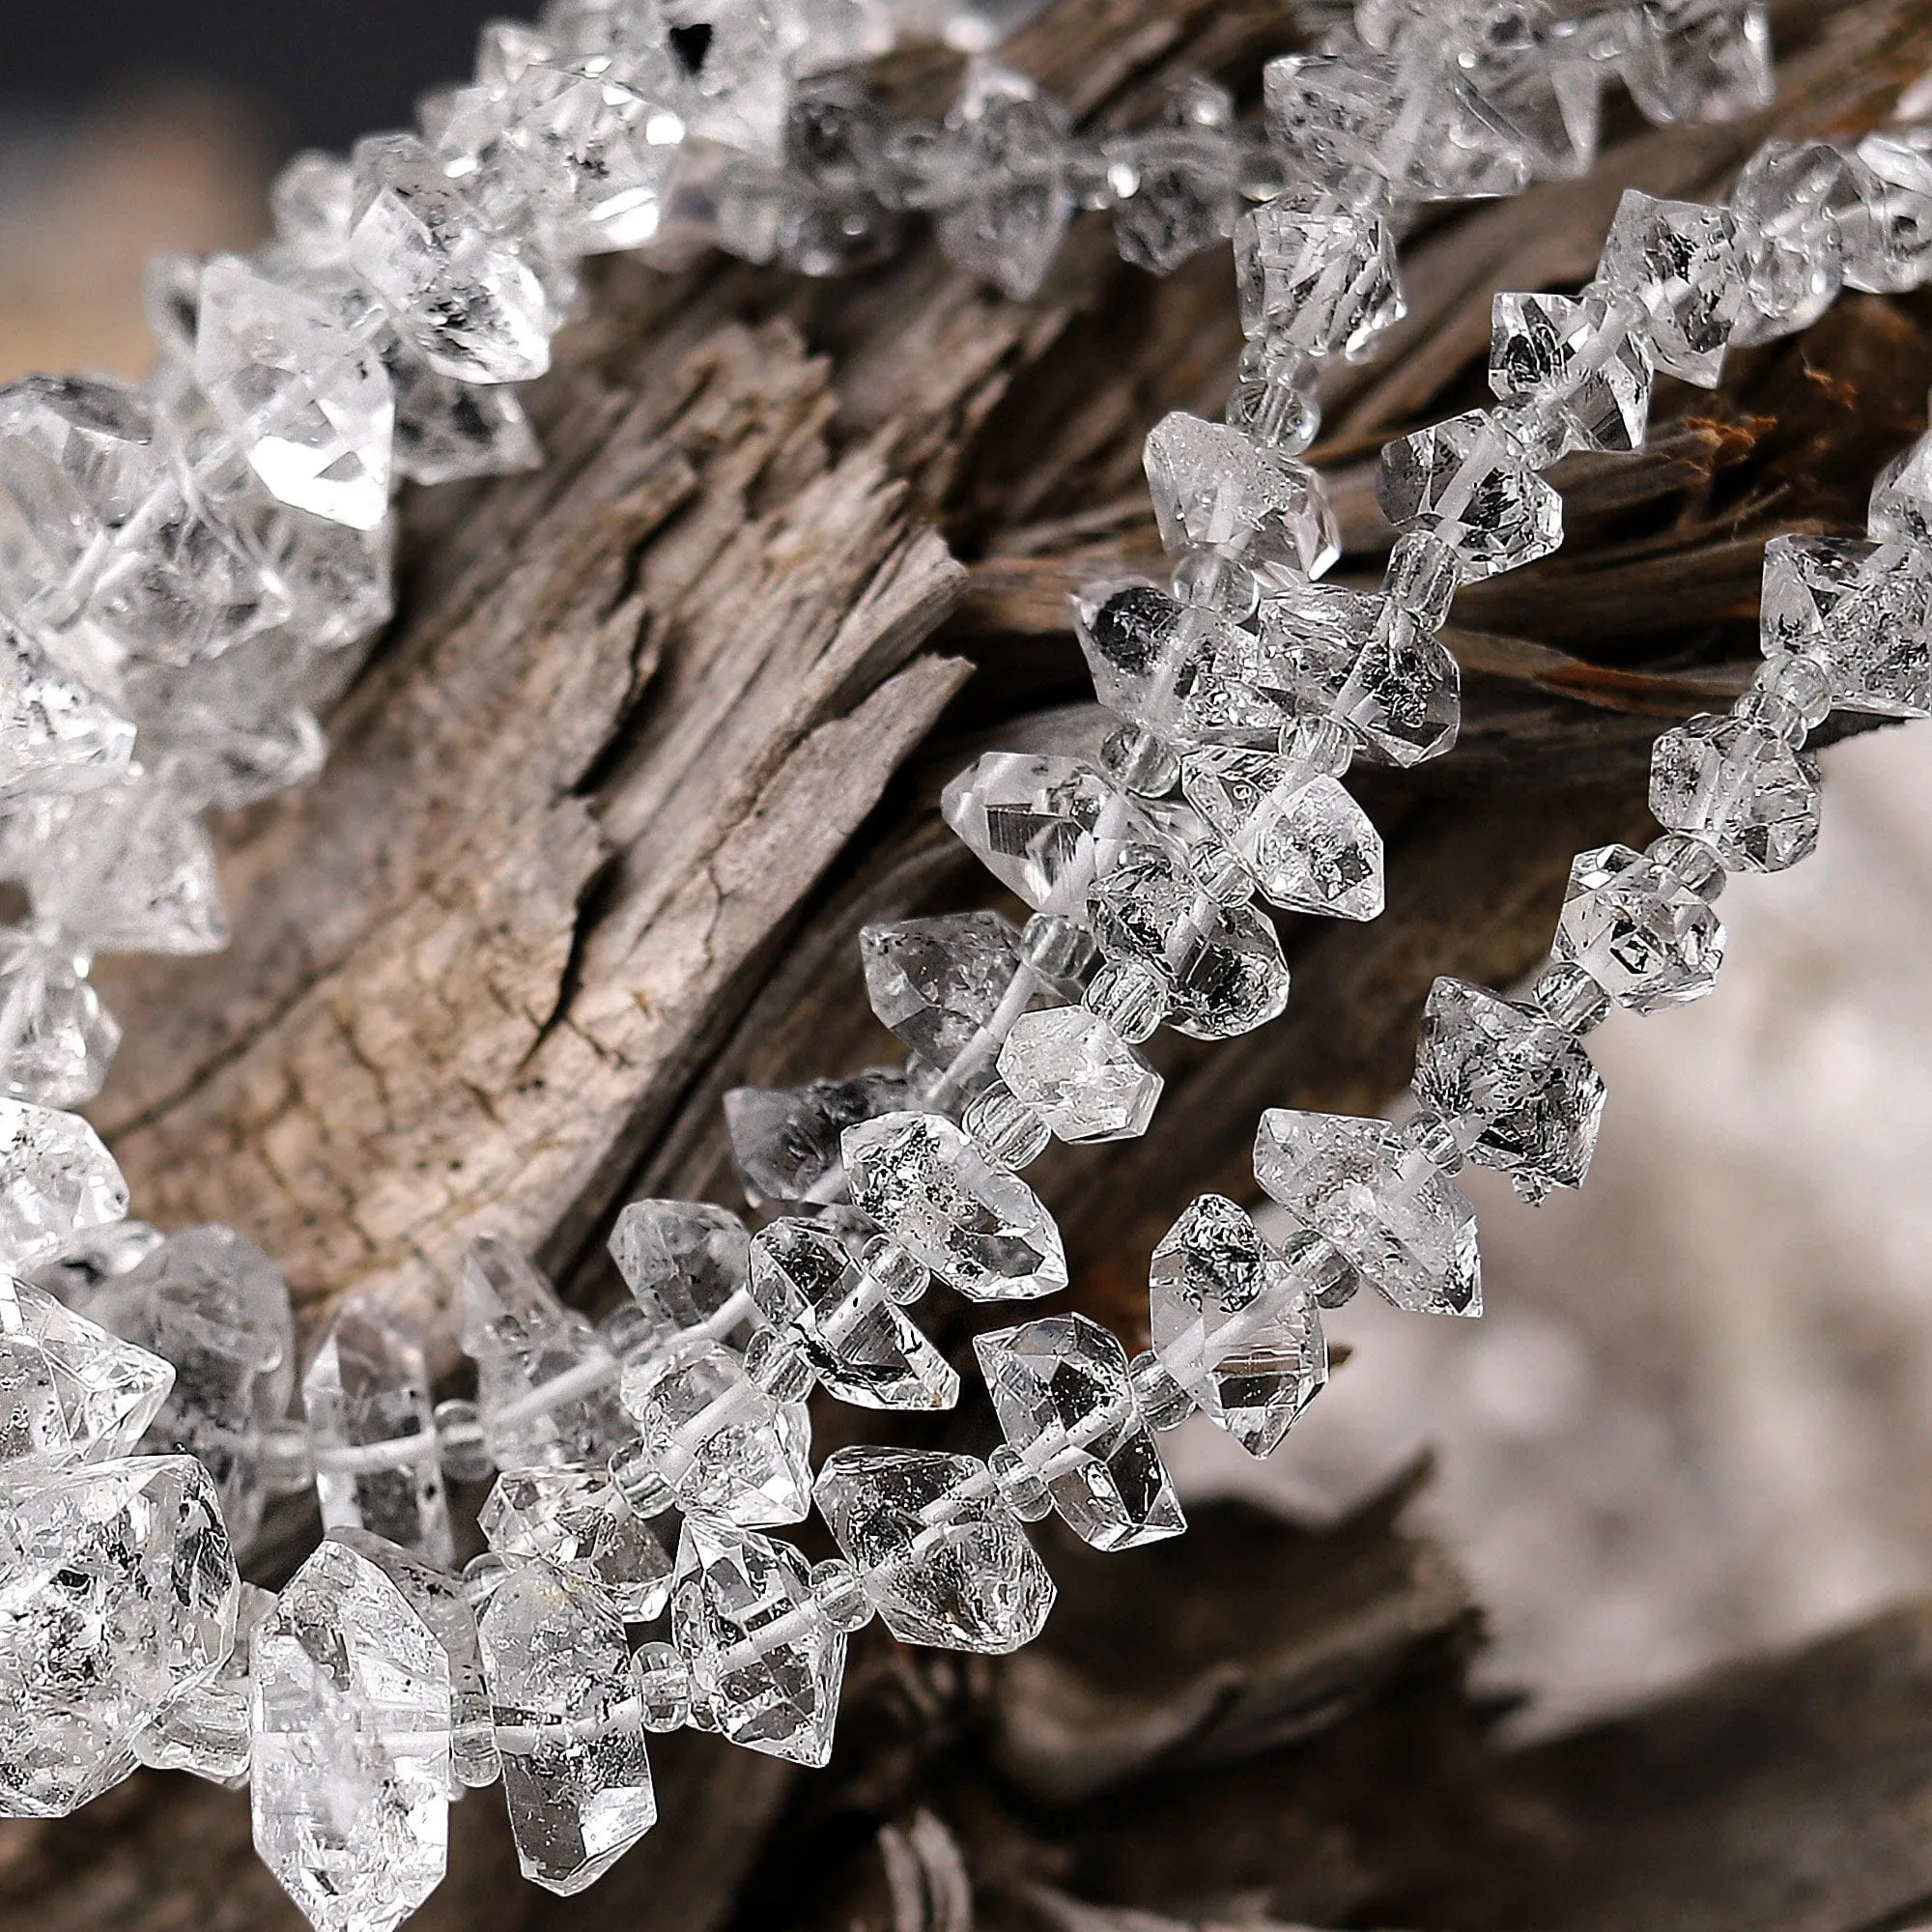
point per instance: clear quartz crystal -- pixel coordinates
(70, 1391)
(1009, 147)
(861, 1345)
(546, 1382)
(940, 1553)
(83, 1273)
(1181, 198)
(1791, 203)
(56, 1038)
(1469, 483)
(1061, 1390)
(1214, 485)
(1082, 1079)
(1400, 1222)
(1579, 359)
(446, 430)
(1699, 59)
(378, 1465)
(980, 1230)
(577, 1523)
(685, 1264)
(1318, 273)
(1519, 1092)
(305, 395)
(351, 1768)
(1754, 798)
(118, 1596)
(1862, 609)
(724, 1446)
(576, 1777)
(1233, 1325)
(57, 734)
(1679, 261)
(785, 1139)
(1304, 841)
(766, 1665)
(1889, 237)
(207, 1731)
(1901, 497)
(1643, 933)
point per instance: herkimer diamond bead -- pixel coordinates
(576, 1777)
(1402, 1223)
(576, 1522)
(1303, 840)
(1182, 198)
(447, 430)
(1467, 483)
(940, 1553)
(1699, 59)
(1901, 498)
(56, 1038)
(1217, 488)
(1079, 1075)
(1010, 146)
(1743, 790)
(1679, 261)
(207, 1732)
(57, 734)
(1520, 1093)
(685, 1264)
(784, 1140)
(118, 1597)
(1233, 1325)
(350, 1773)
(1863, 609)
(1318, 273)
(1889, 237)
(70, 1392)
(766, 1664)
(59, 1181)
(1791, 202)
(861, 1347)
(1639, 931)
(979, 1227)
(1581, 359)
(1061, 1390)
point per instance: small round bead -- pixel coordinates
(1163, 1402)
(472, 1747)
(1572, 999)
(1007, 1130)
(1802, 681)
(1219, 873)
(663, 1685)
(1434, 1139)
(1139, 762)
(627, 1330)
(1020, 1489)
(1129, 995)
(1207, 581)
(839, 1592)
(286, 1459)
(638, 1480)
(1274, 398)
(1322, 743)
(1423, 577)
(1324, 1271)
(1772, 712)
(776, 1359)
(482, 1576)
(1060, 948)
(1095, 180)
(459, 1443)
(901, 1275)
(1690, 860)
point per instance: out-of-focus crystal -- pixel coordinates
(1079, 1075)
(1009, 147)
(1699, 59)
(1467, 483)
(1643, 933)
(785, 1139)
(1318, 273)
(56, 733)
(576, 1522)
(1215, 486)
(447, 430)
(685, 1264)
(1752, 796)
(56, 1038)
(1678, 260)
(1889, 237)
(1181, 198)
(1864, 610)
(1791, 203)
(70, 1391)
(1579, 359)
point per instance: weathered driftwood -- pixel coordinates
(658, 728)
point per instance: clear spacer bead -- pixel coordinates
(839, 1592)
(1219, 873)
(662, 1685)
(1571, 998)
(1163, 1402)
(1020, 1487)
(1207, 581)
(286, 1459)
(1323, 1272)
(1274, 400)
(776, 1361)
(1129, 995)
(1139, 762)
(1689, 859)
(459, 1441)
(1060, 948)
(1321, 744)
(1434, 1139)
(1802, 681)
(1094, 179)
(1422, 578)
(482, 1576)
(1007, 1131)
(638, 1480)
(901, 1275)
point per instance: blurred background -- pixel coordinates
(1698, 1417)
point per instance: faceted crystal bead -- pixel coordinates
(340, 585)
(941, 1554)
(1222, 965)
(304, 396)
(56, 1038)
(117, 1597)
(1365, 662)
(70, 1392)
(378, 1465)
(1181, 198)
(546, 1382)
(1401, 1223)
(1549, 100)
(1467, 482)
(1889, 237)
(1215, 486)
(982, 1230)
(1318, 273)
(571, 1733)
(1009, 148)
(350, 1776)
(56, 733)
(1305, 842)
(1580, 360)
(1679, 261)
(1174, 668)
(1079, 1075)
(861, 1345)
(766, 1665)
(447, 430)
(1863, 609)
(1640, 932)
(1233, 1325)
(1044, 827)
(685, 1264)
(950, 988)
(313, 201)
(722, 1445)
(56, 1182)
(1699, 59)
(1901, 498)
(1791, 204)
(1518, 1091)
(830, 218)
(1060, 1388)
(462, 294)
(82, 1273)
(785, 1139)
(576, 1522)
(662, 1685)
(1753, 797)
(1413, 120)
(207, 1731)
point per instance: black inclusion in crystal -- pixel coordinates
(690, 44)
(1131, 626)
